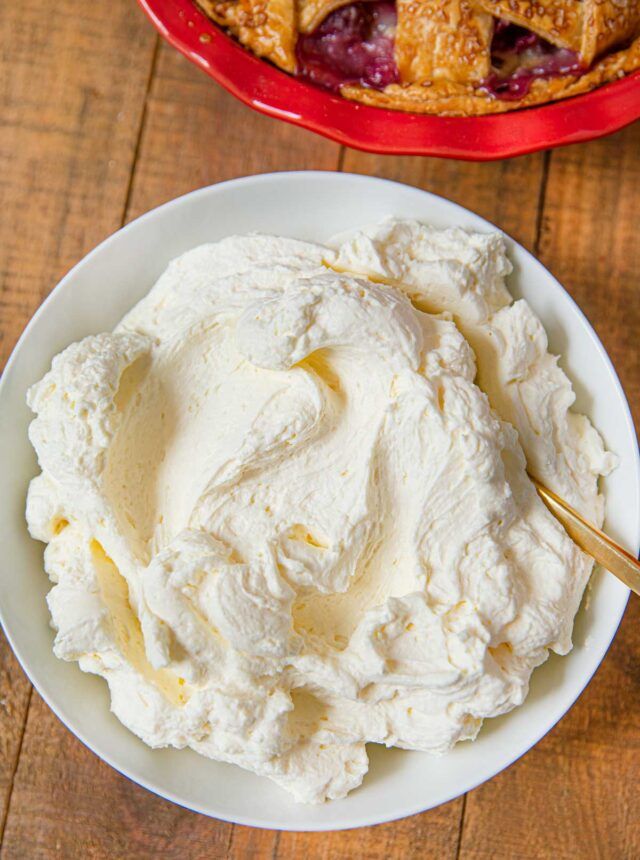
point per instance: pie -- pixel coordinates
(451, 57)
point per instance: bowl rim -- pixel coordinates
(270, 91)
(129, 772)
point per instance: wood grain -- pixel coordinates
(195, 134)
(67, 803)
(430, 836)
(15, 693)
(480, 187)
(590, 241)
(72, 89)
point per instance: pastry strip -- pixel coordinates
(442, 40)
(311, 13)
(267, 27)
(607, 23)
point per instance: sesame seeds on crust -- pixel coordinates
(267, 27)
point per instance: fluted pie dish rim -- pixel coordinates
(267, 89)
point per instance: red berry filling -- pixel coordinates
(518, 57)
(353, 45)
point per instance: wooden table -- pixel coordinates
(102, 121)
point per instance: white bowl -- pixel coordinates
(92, 298)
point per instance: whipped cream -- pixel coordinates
(286, 507)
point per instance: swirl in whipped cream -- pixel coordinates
(284, 519)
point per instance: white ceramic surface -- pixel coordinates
(92, 298)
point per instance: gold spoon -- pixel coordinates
(594, 542)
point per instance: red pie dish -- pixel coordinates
(311, 99)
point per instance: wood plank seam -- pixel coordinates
(276, 845)
(462, 812)
(546, 166)
(227, 852)
(141, 127)
(7, 805)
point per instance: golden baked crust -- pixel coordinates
(311, 13)
(607, 23)
(267, 27)
(442, 40)
(450, 99)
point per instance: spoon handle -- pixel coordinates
(595, 543)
